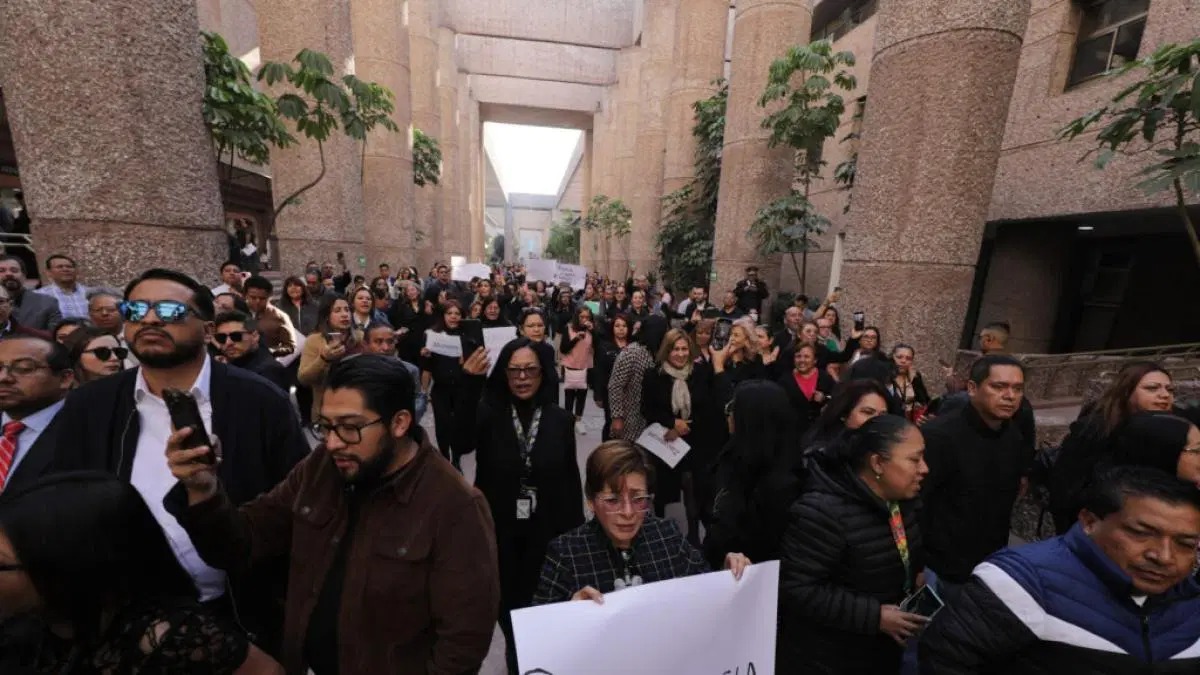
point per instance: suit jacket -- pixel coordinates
(37, 311)
(37, 461)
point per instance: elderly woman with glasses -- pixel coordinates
(624, 545)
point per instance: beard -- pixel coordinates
(370, 471)
(13, 284)
(183, 352)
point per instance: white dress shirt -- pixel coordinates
(35, 424)
(152, 478)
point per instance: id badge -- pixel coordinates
(524, 508)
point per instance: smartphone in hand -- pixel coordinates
(185, 412)
(860, 320)
(472, 336)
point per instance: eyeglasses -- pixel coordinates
(168, 311)
(236, 336)
(348, 433)
(615, 503)
(519, 373)
(22, 367)
(106, 353)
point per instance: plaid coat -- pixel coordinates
(585, 557)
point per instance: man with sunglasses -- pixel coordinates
(120, 424)
(238, 339)
(392, 553)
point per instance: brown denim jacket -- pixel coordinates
(422, 589)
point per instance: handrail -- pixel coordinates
(16, 240)
(1079, 359)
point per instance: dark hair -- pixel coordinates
(239, 303)
(78, 341)
(999, 327)
(227, 263)
(1113, 406)
(385, 384)
(202, 298)
(752, 268)
(875, 367)
(325, 310)
(833, 418)
(59, 256)
(526, 313)
(70, 321)
(58, 359)
(295, 281)
(440, 324)
(612, 461)
(1108, 493)
(653, 329)
(982, 368)
(379, 325)
(236, 317)
(1152, 439)
(901, 345)
(10, 257)
(497, 383)
(89, 543)
(260, 282)
(763, 426)
(876, 437)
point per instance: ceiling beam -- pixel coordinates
(536, 60)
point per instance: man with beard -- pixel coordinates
(32, 310)
(120, 424)
(393, 557)
(241, 344)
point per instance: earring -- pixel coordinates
(878, 476)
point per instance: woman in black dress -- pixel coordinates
(440, 377)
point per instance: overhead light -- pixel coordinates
(1086, 228)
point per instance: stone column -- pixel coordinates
(587, 166)
(700, 31)
(452, 225)
(751, 174)
(423, 54)
(381, 55)
(478, 181)
(910, 263)
(627, 158)
(654, 79)
(603, 178)
(329, 217)
(113, 167)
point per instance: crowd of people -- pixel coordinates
(237, 480)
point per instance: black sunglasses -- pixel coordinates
(106, 353)
(236, 336)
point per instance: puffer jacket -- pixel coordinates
(839, 565)
(1062, 606)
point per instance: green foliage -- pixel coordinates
(242, 121)
(498, 248)
(804, 83)
(1157, 114)
(685, 238)
(427, 159)
(563, 244)
(609, 218)
(845, 172)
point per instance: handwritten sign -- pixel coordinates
(574, 275)
(710, 624)
(442, 344)
(494, 340)
(654, 439)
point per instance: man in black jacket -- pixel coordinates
(120, 423)
(35, 380)
(238, 337)
(978, 460)
(750, 292)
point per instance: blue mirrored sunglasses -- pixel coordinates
(168, 311)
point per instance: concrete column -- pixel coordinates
(478, 182)
(751, 174)
(911, 263)
(1028, 261)
(113, 166)
(654, 79)
(700, 31)
(423, 55)
(329, 217)
(587, 166)
(452, 225)
(381, 55)
(603, 177)
(626, 117)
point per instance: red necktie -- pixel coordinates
(8, 449)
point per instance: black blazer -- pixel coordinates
(806, 410)
(37, 461)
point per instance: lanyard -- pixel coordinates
(525, 441)
(896, 520)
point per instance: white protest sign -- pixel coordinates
(541, 270)
(710, 624)
(494, 340)
(575, 275)
(445, 345)
(466, 272)
(654, 439)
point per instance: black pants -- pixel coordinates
(575, 398)
(442, 401)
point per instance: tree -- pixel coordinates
(685, 239)
(319, 105)
(563, 243)
(810, 113)
(610, 218)
(427, 159)
(1165, 99)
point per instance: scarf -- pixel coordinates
(681, 398)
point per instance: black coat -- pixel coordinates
(705, 436)
(261, 363)
(402, 315)
(483, 425)
(806, 410)
(838, 564)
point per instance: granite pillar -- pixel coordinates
(381, 55)
(626, 116)
(329, 217)
(452, 225)
(113, 167)
(654, 79)
(423, 56)
(700, 31)
(933, 131)
(751, 173)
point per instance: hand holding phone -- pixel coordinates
(860, 320)
(185, 413)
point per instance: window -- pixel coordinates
(1110, 34)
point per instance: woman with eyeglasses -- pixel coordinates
(441, 376)
(331, 342)
(526, 465)
(624, 545)
(95, 354)
(852, 553)
(90, 585)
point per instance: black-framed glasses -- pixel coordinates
(168, 311)
(347, 432)
(235, 336)
(522, 373)
(106, 353)
(22, 367)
